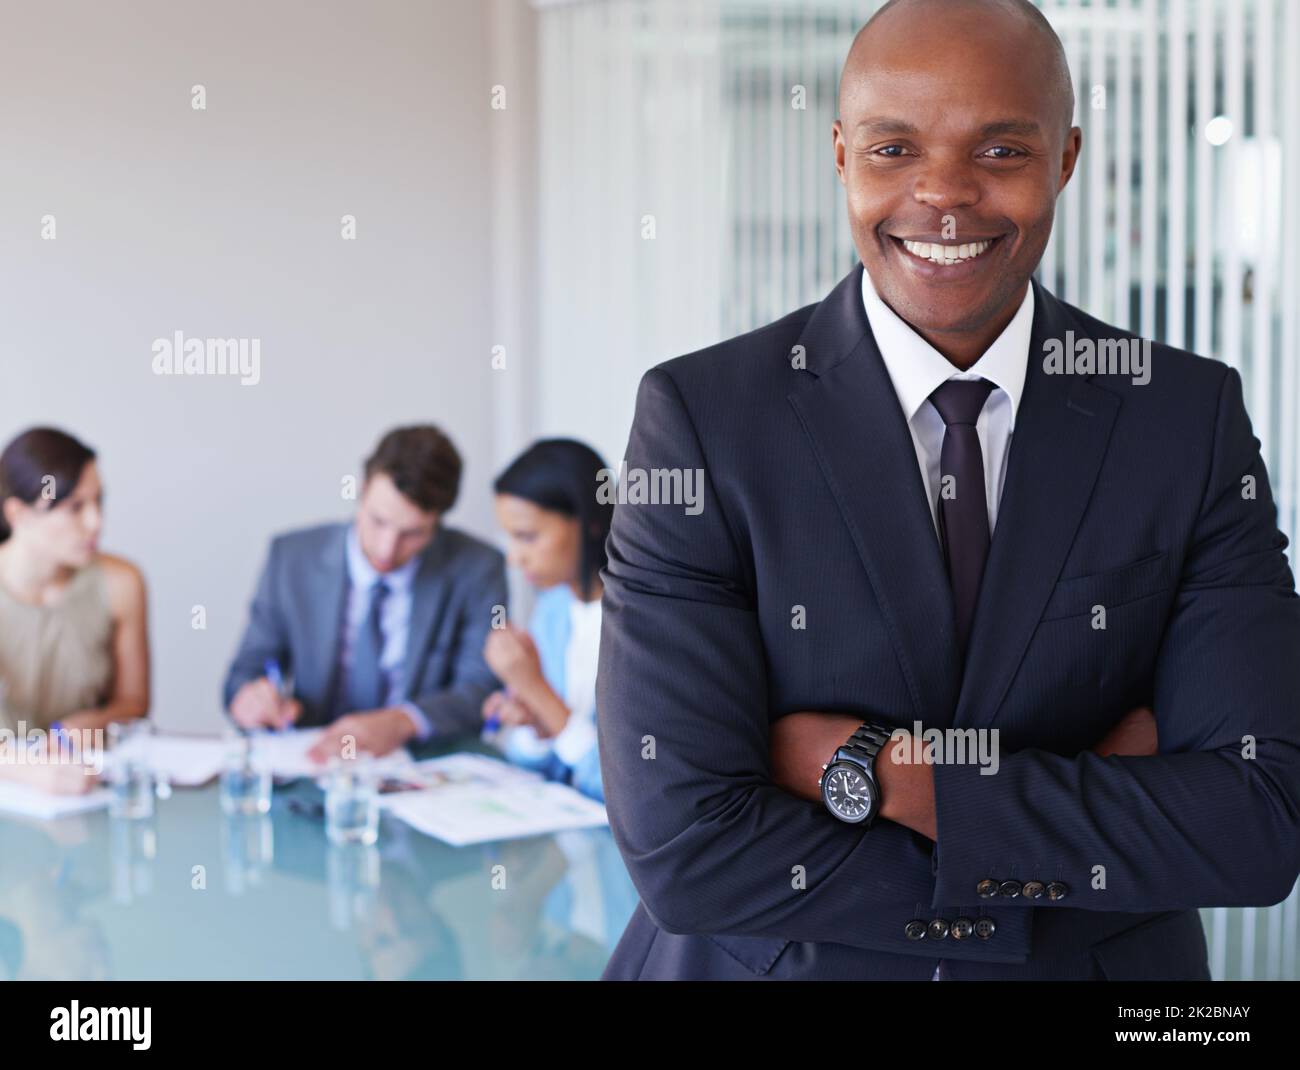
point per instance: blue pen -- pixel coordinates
(272, 669)
(59, 736)
(52, 733)
(493, 723)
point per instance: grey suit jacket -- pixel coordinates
(297, 618)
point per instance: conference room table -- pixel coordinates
(193, 893)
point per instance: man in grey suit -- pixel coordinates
(376, 627)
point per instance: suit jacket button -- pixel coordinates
(962, 928)
(938, 928)
(915, 929)
(985, 927)
(1009, 889)
(987, 889)
(1056, 890)
(1032, 890)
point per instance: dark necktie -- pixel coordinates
(963, 509)
(365, 689)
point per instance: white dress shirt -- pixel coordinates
(395, 621)
(580, 661)
(917, 369)
(581, 656)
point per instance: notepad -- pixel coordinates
(285, 754)
(184, 761)
(26, 801)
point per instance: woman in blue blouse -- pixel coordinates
(556, 529)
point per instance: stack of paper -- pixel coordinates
(190, 761)
(461, 769)
(186, 761)
(285, 754)
(26, 801)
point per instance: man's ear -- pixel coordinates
(837, 143)
(1070, 155)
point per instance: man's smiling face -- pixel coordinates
(952, 144)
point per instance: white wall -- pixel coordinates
(225, 222)
(630, 118)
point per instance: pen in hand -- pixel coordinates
(273, 673)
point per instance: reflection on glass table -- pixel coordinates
(191, 891)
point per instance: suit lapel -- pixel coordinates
(851, 415)
(1062, 428)
(325, 627)
(428, 593)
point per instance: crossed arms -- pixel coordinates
(711, 836)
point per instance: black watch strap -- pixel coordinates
(867, 740)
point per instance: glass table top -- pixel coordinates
(194, 893)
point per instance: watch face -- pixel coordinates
(847, 792)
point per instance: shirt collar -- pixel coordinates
(363, 574)
(917, 369)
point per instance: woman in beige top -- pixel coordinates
(74, 646)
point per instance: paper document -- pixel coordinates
(29, 802)
(483, 800)
(185, 761)
(189, 761)
(461, 769)
(285, 753)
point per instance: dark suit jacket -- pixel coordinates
(1119, 495)
(298, 610)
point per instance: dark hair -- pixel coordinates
(34, 456)
(561, 475)
(422, 463)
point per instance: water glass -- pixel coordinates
(130, 772)
(352, 801)
(245, 786)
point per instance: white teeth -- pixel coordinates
(946, 254)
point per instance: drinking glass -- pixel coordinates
(130, 770)
(245, 786)
(352, 801)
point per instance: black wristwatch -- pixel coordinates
(848, 781)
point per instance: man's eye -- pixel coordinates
(892, 151)
(1009, 152)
